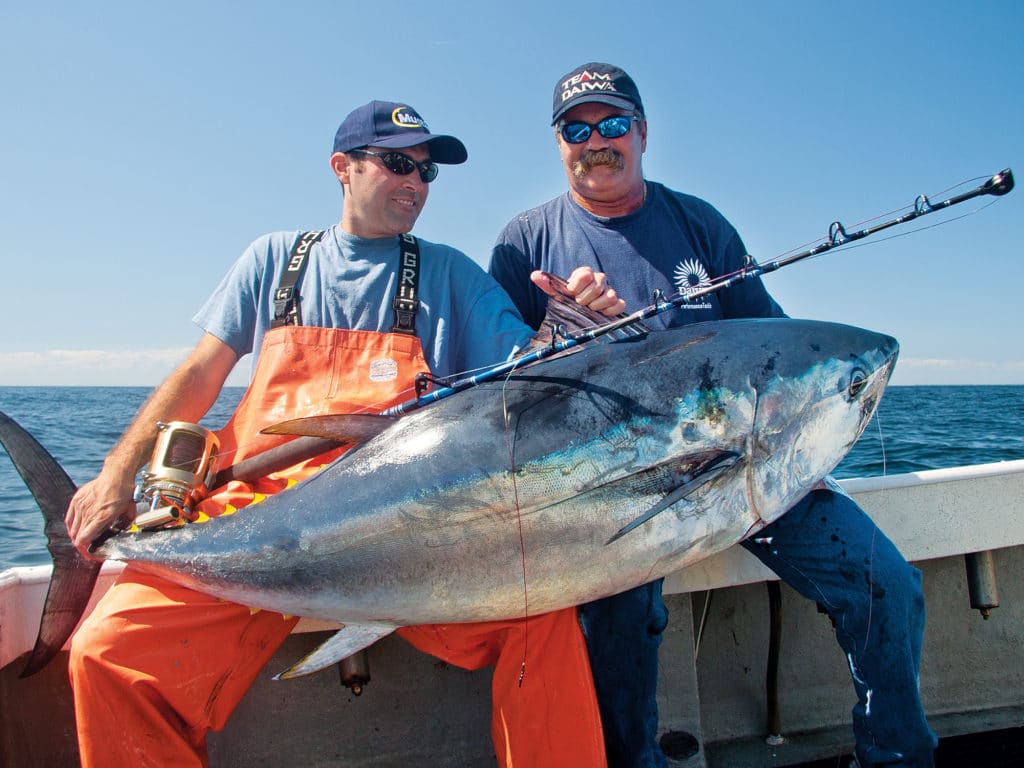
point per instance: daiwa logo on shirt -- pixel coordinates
(586, 82)
(691, 276)
(404, 117)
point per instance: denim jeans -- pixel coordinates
(827, 549)
(623, 634)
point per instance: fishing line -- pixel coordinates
(893, 212)
(881, 442)
(510, 441)
(895, 235)
(871, 587)
(874, 532)
(824, 243)
(823, 240)
(703, 622)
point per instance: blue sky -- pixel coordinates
(143, 146)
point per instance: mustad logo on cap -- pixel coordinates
(404, 117)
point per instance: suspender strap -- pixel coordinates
(407, 302)
(286, 297)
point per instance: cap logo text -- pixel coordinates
(403, 117)
(585, 82)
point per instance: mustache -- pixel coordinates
(593, 158)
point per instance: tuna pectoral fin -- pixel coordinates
(702, 475)
(342, 644)
(343, 427)
(73, 574)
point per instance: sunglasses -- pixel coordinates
(402, 165)
(613, 127)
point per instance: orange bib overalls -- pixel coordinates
(155, 666)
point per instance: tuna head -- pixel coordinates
(810, 415)
(639, 457)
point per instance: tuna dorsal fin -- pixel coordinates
(274, 460)
(342, 644)
(342, 427)
(319, 434)
(74, 575)
(566, 315)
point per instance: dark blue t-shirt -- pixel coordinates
(672, 243)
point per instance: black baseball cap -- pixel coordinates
(603, 83)
(396, 126)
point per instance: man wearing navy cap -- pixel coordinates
(644, 238)
(339, 321)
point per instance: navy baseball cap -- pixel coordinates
(603, 83)
(396, 126)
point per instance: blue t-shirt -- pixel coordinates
(672, 242)
(465, 319)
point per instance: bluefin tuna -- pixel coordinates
(565, 481)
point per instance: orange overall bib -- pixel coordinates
(156, 665)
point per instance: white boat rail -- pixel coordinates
(930, 514)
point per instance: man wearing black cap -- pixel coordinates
(643, 237)
(339, 321)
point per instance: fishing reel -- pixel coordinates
(179, 475)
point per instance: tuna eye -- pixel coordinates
(858, 379)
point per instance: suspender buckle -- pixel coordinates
(286, 297)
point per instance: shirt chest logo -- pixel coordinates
(690, 277)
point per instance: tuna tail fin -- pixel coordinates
(350, 639)
(74, 575)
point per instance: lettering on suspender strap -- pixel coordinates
(286, 297)
(407, 295)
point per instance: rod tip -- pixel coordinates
(1001, 183)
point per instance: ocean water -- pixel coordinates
(78, 425)
(916, 428)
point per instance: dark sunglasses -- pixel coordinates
(613, 127)
(402, 165)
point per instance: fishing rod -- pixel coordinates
(310, 446)
(355, 428)
(997, 185)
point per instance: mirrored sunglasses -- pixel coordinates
(614, 127)
(402, 165)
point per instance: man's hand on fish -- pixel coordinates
(588, 287)
(99, 505)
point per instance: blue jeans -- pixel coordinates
(829, 551)
(623, 634)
